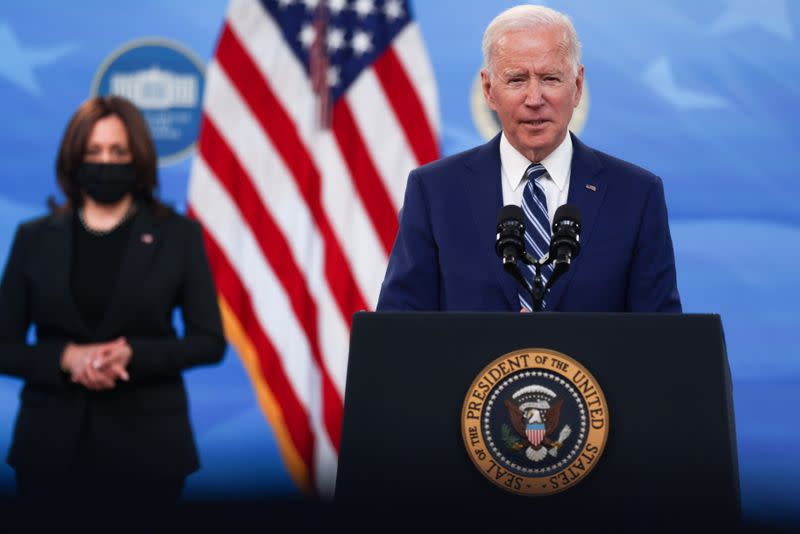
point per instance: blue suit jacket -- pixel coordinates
(444, 257)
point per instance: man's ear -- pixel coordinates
(578, 86)
(486, 85)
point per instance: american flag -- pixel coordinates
(314, 113)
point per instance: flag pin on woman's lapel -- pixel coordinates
(147, 239)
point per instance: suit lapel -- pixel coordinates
(143, 243)
(587, 189)
(60, 253)
(484, 183)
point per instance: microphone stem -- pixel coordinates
(537, 292)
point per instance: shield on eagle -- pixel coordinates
(535, 433)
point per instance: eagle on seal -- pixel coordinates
(520, 421)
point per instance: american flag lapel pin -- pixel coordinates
(591, 188)
(147, 239)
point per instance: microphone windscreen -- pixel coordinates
(510, 212)
(567, 212)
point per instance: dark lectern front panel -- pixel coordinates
(671, 441)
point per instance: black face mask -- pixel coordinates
(106, 183)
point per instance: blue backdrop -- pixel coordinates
(702, 93)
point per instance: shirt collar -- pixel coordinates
(558, 163)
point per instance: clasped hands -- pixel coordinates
(97, 366)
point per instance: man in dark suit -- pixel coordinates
(444, 257)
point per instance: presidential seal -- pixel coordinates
(534, 422)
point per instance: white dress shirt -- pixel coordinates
(556, 183)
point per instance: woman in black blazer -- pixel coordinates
(103, 412)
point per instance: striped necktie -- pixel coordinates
(537, 227)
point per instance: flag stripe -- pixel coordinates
(362, 169)
(407, 106)
(230, 174)
(258, 33)
(270, 115)
(281, 198)
(265, 316)
(411, 53)
(271, 406)
(212, 203)
(230, 287)
(382, 133)
(235, 240)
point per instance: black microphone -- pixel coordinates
(565, 242)
(510, 240)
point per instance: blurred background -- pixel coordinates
(704, 94)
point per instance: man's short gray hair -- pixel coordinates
(525, 17)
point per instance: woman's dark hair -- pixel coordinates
(73, 147)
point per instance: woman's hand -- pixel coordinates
(97, 366)
(113, 357)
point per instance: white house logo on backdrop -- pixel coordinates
(488, 125)
(165, 80)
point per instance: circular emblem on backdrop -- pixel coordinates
(488, 124)
(534, 422)
(165, 81)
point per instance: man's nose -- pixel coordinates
(534, 95)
